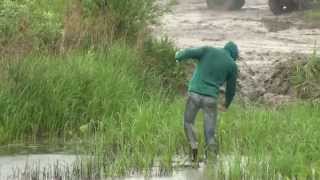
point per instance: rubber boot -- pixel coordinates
(194, 158)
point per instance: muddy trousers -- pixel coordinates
(208, 105)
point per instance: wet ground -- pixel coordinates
(264, 39)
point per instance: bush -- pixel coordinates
(28, 25)
(130, 17)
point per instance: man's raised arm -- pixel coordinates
(190, 53)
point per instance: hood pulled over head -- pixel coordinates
(232, 48)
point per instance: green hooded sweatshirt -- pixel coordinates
(215, 67)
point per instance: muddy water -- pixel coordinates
(264, 39)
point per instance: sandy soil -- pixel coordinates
(264, 39)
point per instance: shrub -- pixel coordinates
(27, 25)
(130, 17)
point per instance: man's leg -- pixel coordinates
(192, 108)
(209, 106)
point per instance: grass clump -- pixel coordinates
(305, 77)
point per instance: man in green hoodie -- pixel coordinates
(215, 66)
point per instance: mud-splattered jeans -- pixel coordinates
(208, 104)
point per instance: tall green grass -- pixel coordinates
(46, 96)
(287, 137)
(136, 141)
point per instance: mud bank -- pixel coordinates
(265, 40)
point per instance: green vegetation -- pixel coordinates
(58, 26)
(49, 96)
(306, 78)
(272, 141)
(255, 141)
(29, 25)
(129, 116)
(286, 138)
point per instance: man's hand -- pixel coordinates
(222, 108)
(177, 53)
(176, 56)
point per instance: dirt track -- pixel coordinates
(264, 39)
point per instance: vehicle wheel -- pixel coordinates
(235, 5)
(282, 6)
(214, 4)
(225, 4)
